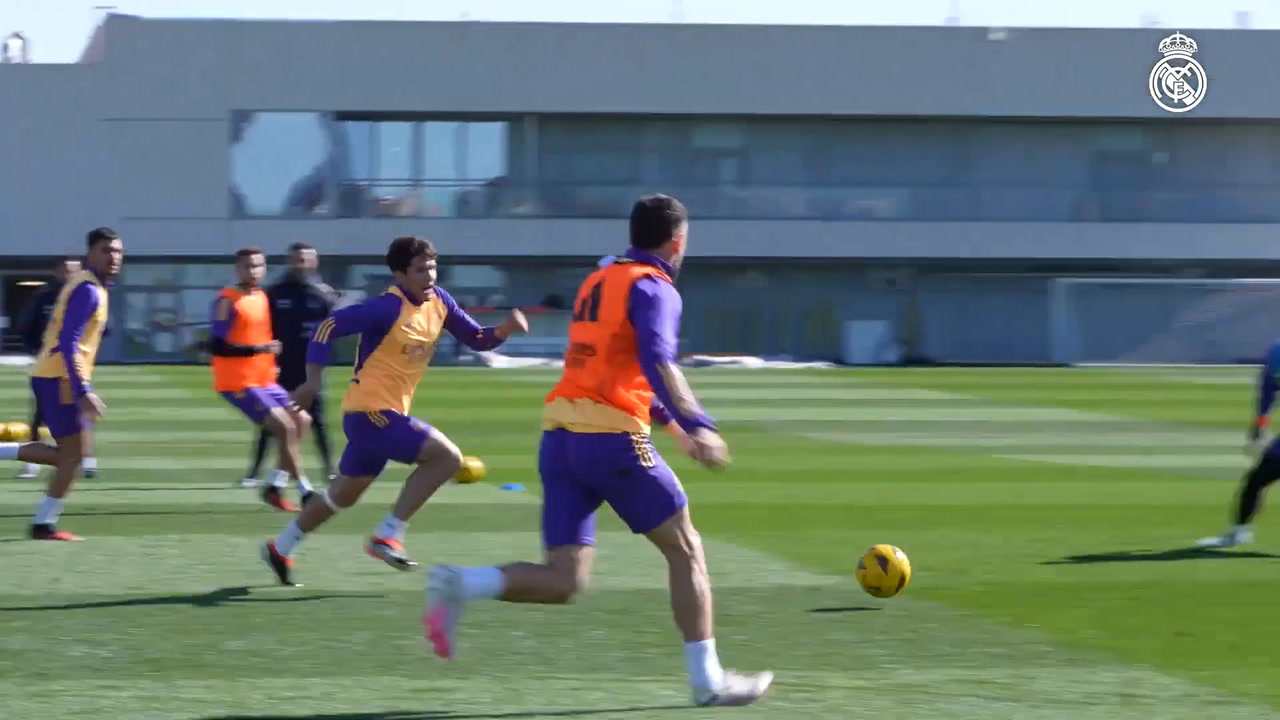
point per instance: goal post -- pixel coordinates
(1162, 321)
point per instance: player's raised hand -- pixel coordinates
(709, 449)
(515, 322)
(305, 394)
(91, 406)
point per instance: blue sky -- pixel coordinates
(58, 29)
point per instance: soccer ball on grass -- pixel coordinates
(472, 471)
(884, 571)
(14, 432)
(19, 432)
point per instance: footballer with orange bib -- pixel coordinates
(398, 332)
(61, 375)
(244, 371)
(620, 376)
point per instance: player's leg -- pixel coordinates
(288, 462)
(568, 534)
(321, 431)
(436, 460)
(269, 411)
(29, 469)
(1248, 500)
(63, 419)
(648, 497)
(88, 443)
(361, 463)
(280, 476)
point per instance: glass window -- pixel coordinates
(356, 150)
(591, 151)
(394, 151)
(464, 165)
(442, 151)
(211, 274)
(153, 274)
(279, 163)
(487, 150)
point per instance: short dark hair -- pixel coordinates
(404, 249)
(248, 252)
(655, 219)
(300, 246)
(100, 234)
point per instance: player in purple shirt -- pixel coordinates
(621, 365)
(398, 334)
(60, 378)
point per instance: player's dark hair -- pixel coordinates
(300, 246)
(100, 234)
(247, 252)
(405, 249)
(655, 219)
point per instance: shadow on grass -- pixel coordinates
(217, 598)
(451, 715)
(849, 609)
(1174, 555)
(147, 513)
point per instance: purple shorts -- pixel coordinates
(257, 403)
(580, 471)
(57, 406)
(373, 438)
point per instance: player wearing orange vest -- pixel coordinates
(398, 334)
(60, 377)
(620, 375)
(244, 370)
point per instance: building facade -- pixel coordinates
(834, 173)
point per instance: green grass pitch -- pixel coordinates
(1043, 511)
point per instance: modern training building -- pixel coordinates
(927, 181)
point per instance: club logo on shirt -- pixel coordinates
(417, 353)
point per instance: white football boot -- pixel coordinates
(445, 600)
(1238, 535)
(29, 471)
(737, 689)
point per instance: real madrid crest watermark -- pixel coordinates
(1178, 82)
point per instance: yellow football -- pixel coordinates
(19, 432)
(884, 571)
(472, 471)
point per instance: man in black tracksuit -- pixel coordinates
(299, 302)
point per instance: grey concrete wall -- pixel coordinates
(207, 66)
(139, 139)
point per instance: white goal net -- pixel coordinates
(1162, 321)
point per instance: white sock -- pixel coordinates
(304, 484)
(49, 511)
(9, 451)
(279, 479)
(391, 527)
(90, 463)
(287, 540)
(482, 583)
(703, 665)
(1240, 529)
